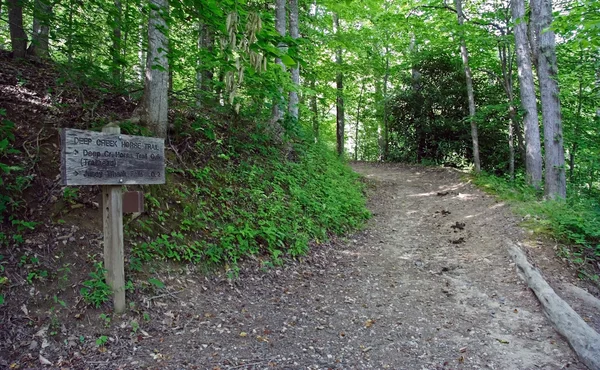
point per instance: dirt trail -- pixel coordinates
(428, 285)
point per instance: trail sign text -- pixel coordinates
(96, 158)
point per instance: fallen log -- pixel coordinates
(584, 340)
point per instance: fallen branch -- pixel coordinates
(586, 297)
(166, 294)
(584, 340)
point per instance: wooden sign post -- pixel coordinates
(112, 160)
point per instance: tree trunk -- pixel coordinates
(69, 41)
(141, 52)
(576, 129)
(533, 158)
(204, 74)
(153, 109)
(18, 38)
(469, 80)
(116, 41)
(360, 98)
(507, 83)
(315, 111)
(555, 181)
(417, 106)
(295, 34)
(42, 14)
(386, 129)
(199, 75)
(279, 103)
(340, 119)
(207, 73)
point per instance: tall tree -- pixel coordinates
(315, 110)
(279, 103)
(117, 15)
(505, 57)
(295, 34)
(153, 109)
(386, 129)
(533, 158)
(547, 69)
(464, 52)
(18, 37)
(42, 14)
(356, 128)
(340, 119)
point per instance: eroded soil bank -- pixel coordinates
(429, 284)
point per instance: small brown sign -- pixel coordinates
(133, 202)
(96, 158)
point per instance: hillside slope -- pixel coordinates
(232, 194)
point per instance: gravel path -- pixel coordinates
(427, 285)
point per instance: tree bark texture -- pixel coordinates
(117, 41)
(141, 67)
(464, 52)
(386, 128)
(555, 178)
(208, 41)
(153, 109)
(340, 119)
(504, 55)
(204, 74)
(315, 111)
(295, 34)
(18, 37)
(356, 131)
(533, 157)
(279, 103)
(42, 15)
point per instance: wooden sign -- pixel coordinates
(100, 158)
(133, 202)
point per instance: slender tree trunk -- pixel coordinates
(204, 74)
(315, 111)
(69, 41)
(417, 106)
(279, 103)
(219, 88)
(153, 109)
(42, 14)
(18, 38)
(469, 80)
(503, 54)
(555, 181)
(340, 119)
(141, 51)
(533, 158)
(359, 106)
(116, 41)
(199, 74)
(295, 34)
(207, 85)
(576, 129)
(386, 129)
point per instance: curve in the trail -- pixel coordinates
(445, 241)
(428, 284)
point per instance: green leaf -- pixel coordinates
(288, 61)
(157, 283)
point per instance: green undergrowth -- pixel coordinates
(574, 222)
(248, 199)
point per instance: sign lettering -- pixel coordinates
(95, 158)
